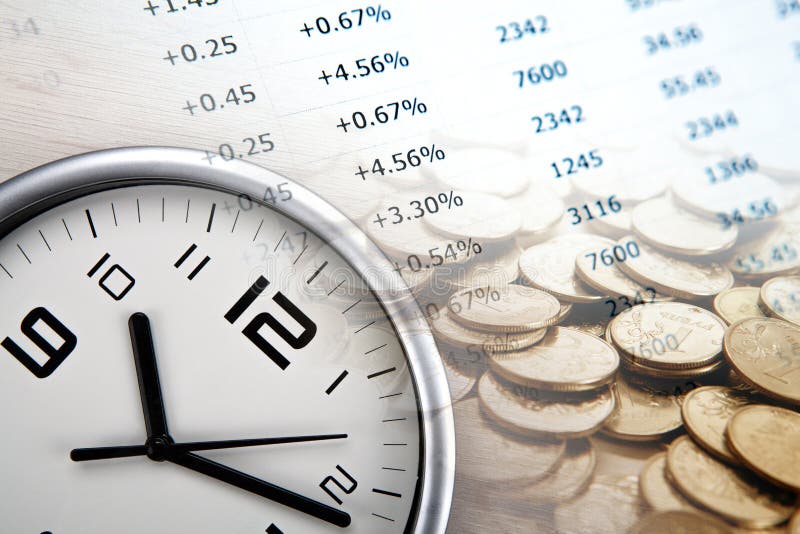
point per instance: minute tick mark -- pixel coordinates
(336, 382)
(45, 241)
(379, 373)
(23, 253)
(91, 224)
(211, 217)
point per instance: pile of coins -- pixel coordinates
(595, 378)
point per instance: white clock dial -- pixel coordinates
(259, 329)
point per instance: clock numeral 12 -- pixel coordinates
(251, 331)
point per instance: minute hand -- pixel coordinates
(265, 489)
(144, 355)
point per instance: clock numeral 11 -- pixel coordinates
(251, 331)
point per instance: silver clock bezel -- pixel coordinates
(48, 185)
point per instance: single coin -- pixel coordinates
(508, 308)
(706, 412)
(780, 297)
(550, 266)
(564, 312)
(774, 254)
(481, 217)
(765, 352)
(571, 476)
(681, 521)
(614, 225)
(453, 333)
(671, 374)
(611, 504)
(608, 279)
(643, 414)
(493, 455)
(767, 440)
(409, 238)
(679, 278)
(525, 411)
(656, 488)
(565, 360)
(669, 335)
(540, 208)
(671, 229)
(497, 266)
(483, 170)
(733, 494)
(737, 303)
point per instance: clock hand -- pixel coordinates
(144, 354)
(265, 489)
(125, 451)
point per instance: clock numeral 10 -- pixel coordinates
(251, 331)
(55, 355)
(347, 491)
(116, 287)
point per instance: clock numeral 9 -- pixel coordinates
(347, 491)
(55, 355)
(251, 331)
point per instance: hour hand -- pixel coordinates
(144, 355)
(265, 489)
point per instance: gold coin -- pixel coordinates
(766, 353)
(767, 440)
(643, 414)
(526, 411)
(731, 493)
(669, 335)
(607, 279)
(509, 308)
(670, 374)
(656, 488)
(550, 266)
(565, 360)
(669, 228)
(794, 524)
(482, 217)
(774, 254)
(611, 504)
(681, 522)
(737, 303)
(492, 455)
(780, 297)
(676, 277)
(453, 333)
(706, 412)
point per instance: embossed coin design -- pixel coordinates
(527, 414)
(642, 414)
(669, 335)
(780, 297)
(565, 360)
(737, 303)
(731, 493)
(765, 353)
(767, 440)
(510, 308)
(706, 412)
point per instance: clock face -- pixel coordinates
(252, 327)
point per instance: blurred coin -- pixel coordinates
(540, 209)
(609, 506)
(794, 524)
(775, 254)
(570, 477)
(623, 178)
(674, 230)
(669, 335)
(706, 412)
(409, 238)
(483, 170)
(491, 454)
(448, 330)
(753, 198)
(670, 374)
(481, 217)
(496, 266)
(550, 266)
(460, 377)
(615, 225)
(780, 297)
(767, 440)
(731, 493)
(565, 360)
(608, 279)
(657, 490)
(680, 278)
(681, 521)
(765, 353)
(564, 311)
(524, 411)
(508, 308)
(737, 303)
(642, 414)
